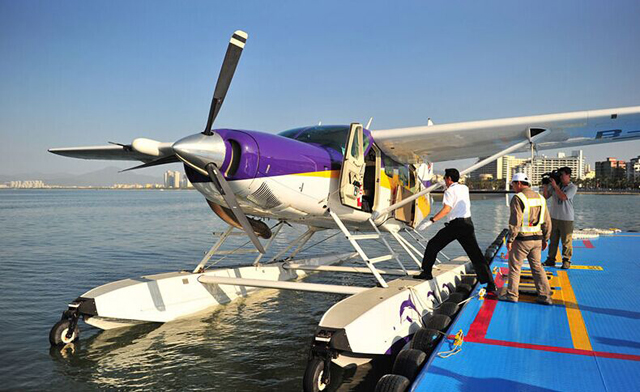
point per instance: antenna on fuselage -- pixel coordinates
(369, 123)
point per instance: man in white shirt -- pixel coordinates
(457, 206)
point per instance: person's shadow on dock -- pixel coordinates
(611, 312)
(489, 384)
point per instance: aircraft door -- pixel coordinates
(353, 166)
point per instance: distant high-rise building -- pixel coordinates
(185, 183)
(506, 166)
(612, 168)
(633, 169)
(172, 179)
(499, 169)
(542, 165)
(176, 179)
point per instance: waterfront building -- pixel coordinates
(543, 164)
(506, 166)
(499, 169)
(27, 184)
(172, 179)
(612, 168)
(633, 169)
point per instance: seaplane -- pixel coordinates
(371, 185)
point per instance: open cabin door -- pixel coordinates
(412, 213)
(352, 174)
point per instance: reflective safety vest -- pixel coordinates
(527, 225)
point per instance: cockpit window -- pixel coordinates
(291, 133)
(332, 136)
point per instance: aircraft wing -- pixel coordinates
(444, 142)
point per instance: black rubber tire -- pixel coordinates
(447, 308)
(392, 383)
(312, 376)
(408, 363)
(463, 288)
(456, 298)
(439, 322)
(425, 340)
(470, 280)
(57, 335)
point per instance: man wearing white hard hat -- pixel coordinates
(529, 231)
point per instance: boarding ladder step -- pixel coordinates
(381, 258)
(364, 236)
(353, 238)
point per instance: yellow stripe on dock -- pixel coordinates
(577, 327)
(587, 267)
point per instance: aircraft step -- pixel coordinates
(381, 258)
(356, 246)
(356, 237)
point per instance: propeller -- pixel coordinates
(231, 58)
(206, 151)
(229, 197)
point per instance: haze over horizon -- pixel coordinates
(79, 73)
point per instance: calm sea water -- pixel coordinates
(57, 244)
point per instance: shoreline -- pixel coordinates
(477, 192)
(96, 188)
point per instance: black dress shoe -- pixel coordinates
(423, 275)
(491, 288)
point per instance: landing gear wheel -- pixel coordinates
(58, 333)
(313, 376)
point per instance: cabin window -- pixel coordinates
(355, 146)
(393, 168)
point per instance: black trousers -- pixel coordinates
(463, 231)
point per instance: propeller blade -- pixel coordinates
(159, 161)
(231, 58)
(229, 197)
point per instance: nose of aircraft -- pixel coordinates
(199, 150)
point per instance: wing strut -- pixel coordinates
(532, 136)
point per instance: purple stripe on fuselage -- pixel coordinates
(267, 155)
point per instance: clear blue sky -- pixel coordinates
(76, 73)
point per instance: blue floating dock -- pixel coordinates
(588, 340)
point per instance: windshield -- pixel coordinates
(332, 136)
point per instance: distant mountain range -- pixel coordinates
(105, 177)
